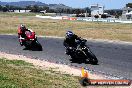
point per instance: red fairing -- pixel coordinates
(30, 35)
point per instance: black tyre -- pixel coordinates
(27, 46)
(39, 46)
(36, 46)
(92, 58)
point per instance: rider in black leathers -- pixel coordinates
(70, 42)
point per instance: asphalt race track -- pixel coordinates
(114, 59)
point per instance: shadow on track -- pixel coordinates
(80, 61)
(34, 49)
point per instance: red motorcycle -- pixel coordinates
(30, 41)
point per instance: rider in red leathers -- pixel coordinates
(21, 33)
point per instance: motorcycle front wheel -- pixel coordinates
(92, 58)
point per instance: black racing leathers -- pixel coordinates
(70, 43)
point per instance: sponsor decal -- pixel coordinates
(86, 81)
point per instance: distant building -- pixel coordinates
(127, 13)
(96, 9)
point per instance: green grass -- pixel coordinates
(4, 61)
(11, 14)
(47, 27)
(20, 74)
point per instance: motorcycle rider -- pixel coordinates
(70, 41)
(21, 33)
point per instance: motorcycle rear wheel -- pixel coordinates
(36, 46)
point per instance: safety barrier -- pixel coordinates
(68, 18)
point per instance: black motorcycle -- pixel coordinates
(82, 52)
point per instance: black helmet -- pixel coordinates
(69, 34)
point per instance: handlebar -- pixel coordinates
(81, 40)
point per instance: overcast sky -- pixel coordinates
(109, 4)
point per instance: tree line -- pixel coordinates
(35, 8)
(77, 11)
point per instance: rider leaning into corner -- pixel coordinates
(70, 41)
(21, 33)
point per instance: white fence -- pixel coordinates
(49, 17)
(105, 20)
(90, 19)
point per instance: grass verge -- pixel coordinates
(20, 74)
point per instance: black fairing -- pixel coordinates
(83, 52)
